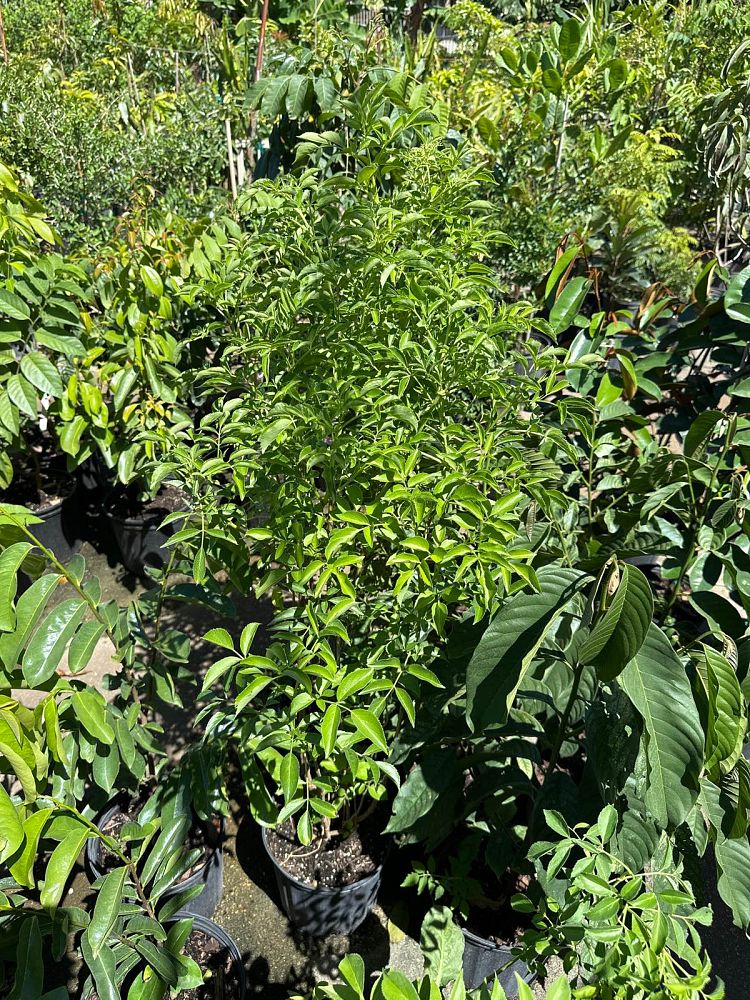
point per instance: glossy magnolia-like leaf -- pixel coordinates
(568, 304)
(442, 946)
(10, 561)
(505, 651)
(91, 711)
(60, 865)
(11, 828)
(618, 635)
(656, 682)
(47, 645)
(29, 608)
(21, 868)
(106, 909)
(103, 969)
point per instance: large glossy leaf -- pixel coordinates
(568, 304)
(47, 645)
(619, 634)
(10, 561)
(91, 711)
(11, 828)
(30, 962)
(505, 651)
(103, 969)
(106, 910)
(22, 865)
(656, 682)
(60, 865)
(29, 608)
(40, 371)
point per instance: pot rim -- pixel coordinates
(322, 889)
(216, 931)
(95, 870)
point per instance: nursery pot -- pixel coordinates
(58, 528)
(320, 910)
(210, 875)
(213, 930)
(482, 959)
(141, 539)
(202, 923)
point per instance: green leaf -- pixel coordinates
(442, 946)
(560, 989)
(22, 393)
(83, 645)
(370, 727)
(61, 864)
(569, 43)
(329, 727)
(352, 970)
(106, 910)
(619, 634)
(152, 281)
(657, 684)
(11, 828)
(22, 867)
(510, 642)
(29, 962)
(49, 641)
(289, 773)
(219, 637)
(10, 562)
(29, 608)
(13, 305)
(700, 430)
(40, 371)
(91, 711)
(727, 730)
(160, 961)
(737, 297)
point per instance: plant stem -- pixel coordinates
(560, 739)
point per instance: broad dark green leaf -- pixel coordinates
(40, 371)
(512, 639)
(60, 865)
(10, 561)
(29, 608)
(106, 909)
(656, 682)
(11, 828)
(619, 634)
(47, 645)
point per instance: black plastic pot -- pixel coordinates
(201, 923)
(141, 540)
(482, 959)
(58, 530)
(319, 910)
(210, 876)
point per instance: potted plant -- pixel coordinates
(41, 298)
(370, 503)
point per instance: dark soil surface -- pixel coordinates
(221, 976)
(338, 863)
(39, 485)
(168, 500)
(202, 835)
